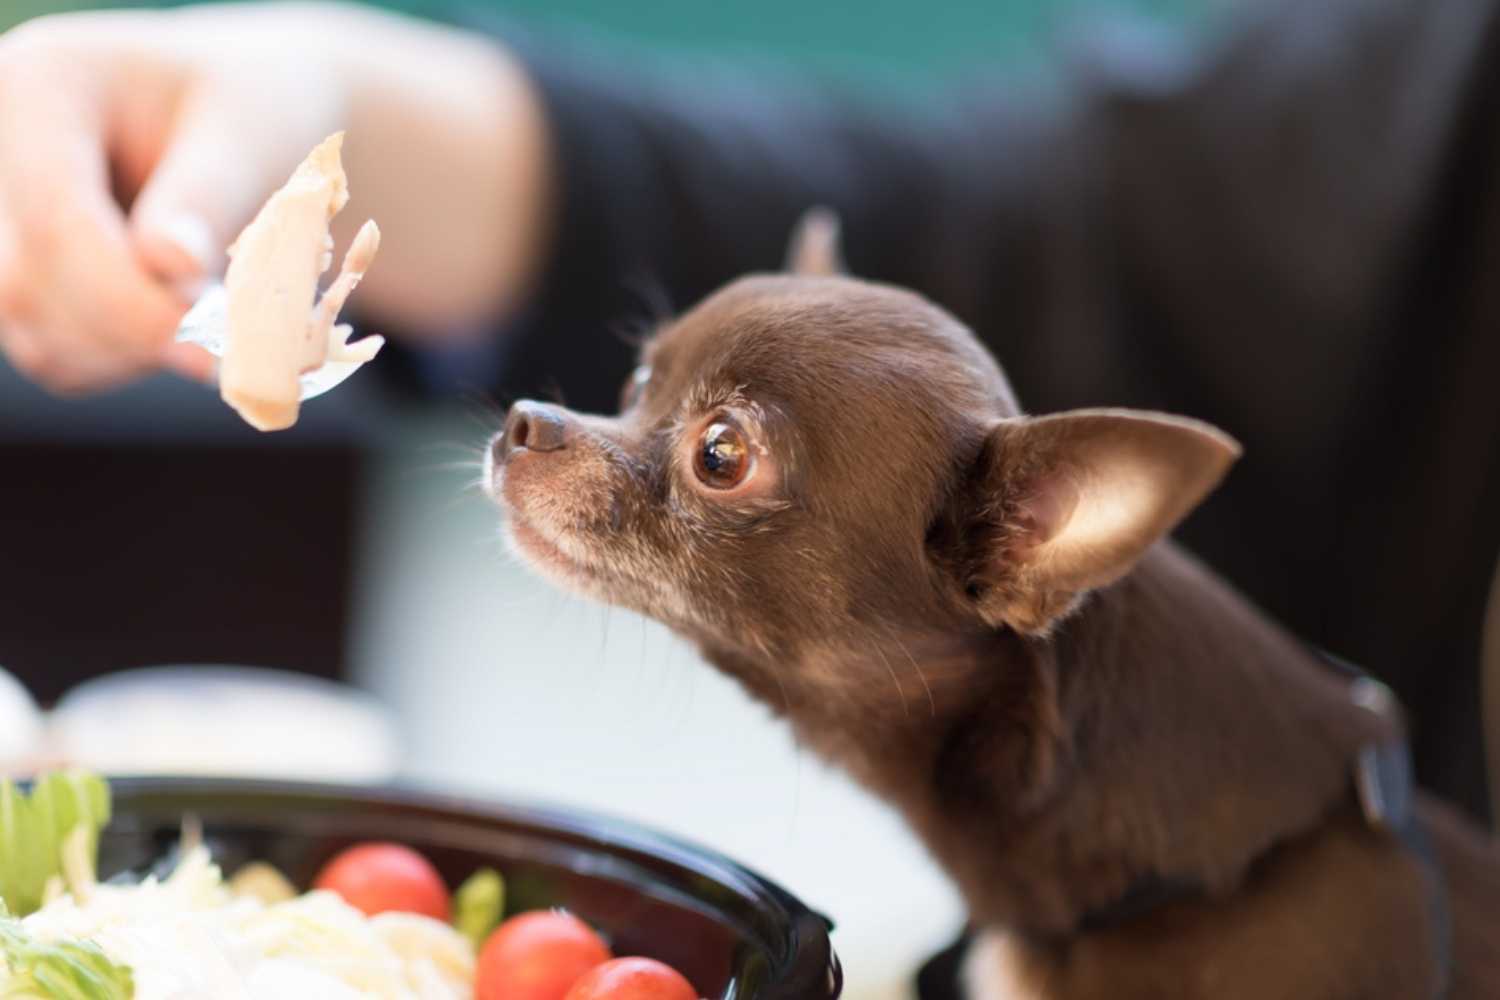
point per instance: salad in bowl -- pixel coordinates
(377, 921)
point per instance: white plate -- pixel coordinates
(20, 723)
(226, 721)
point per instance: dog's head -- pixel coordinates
(805, 461)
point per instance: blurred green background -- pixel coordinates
(896, 39)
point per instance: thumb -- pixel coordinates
(204, 188)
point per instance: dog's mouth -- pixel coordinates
(530, 539)
(540, 532)
(540, 551)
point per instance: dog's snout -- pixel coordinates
(533, 427)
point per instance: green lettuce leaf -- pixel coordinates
(478, 904)
(68, 970)
(34, 827)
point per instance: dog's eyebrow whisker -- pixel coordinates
(636, 331)
(651, 294)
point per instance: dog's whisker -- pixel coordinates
(484, 413)
(457, 465)
(900, 691)
(931, 701)
(478, 447)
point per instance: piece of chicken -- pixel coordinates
(276, 331)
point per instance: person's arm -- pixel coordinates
(134, 145)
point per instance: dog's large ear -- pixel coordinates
(814, 247)
(1062, 504)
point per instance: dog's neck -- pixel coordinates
(1165, 730)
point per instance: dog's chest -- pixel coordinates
(996, 969)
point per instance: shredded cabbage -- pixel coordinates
(189, 936)
(192, 935)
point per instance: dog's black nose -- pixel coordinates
(533, 427)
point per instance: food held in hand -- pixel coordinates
(276, 331)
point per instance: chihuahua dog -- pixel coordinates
(1142, 787)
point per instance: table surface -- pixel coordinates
(505, 686)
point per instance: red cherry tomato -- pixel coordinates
(376, 878)
(632, 979)
(537, 956)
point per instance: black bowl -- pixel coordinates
(735, 935)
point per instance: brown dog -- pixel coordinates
(1142, 787)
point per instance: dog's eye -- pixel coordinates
(635, 387)
(722, 460)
